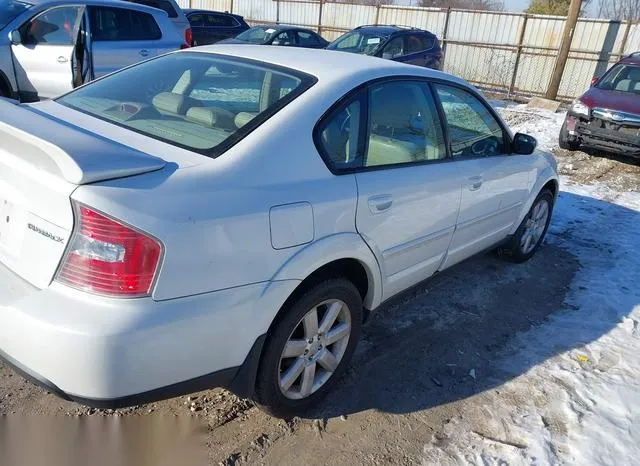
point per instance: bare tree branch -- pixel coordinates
(488, 5)
(620, 9)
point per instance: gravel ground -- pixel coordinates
(425, 360)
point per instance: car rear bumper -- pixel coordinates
(622, 140)
(113, 353)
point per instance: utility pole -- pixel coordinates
(565, 46)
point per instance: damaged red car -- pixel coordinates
(607, 116)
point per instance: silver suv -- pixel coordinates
(48, 47)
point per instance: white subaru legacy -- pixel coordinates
(230, 216)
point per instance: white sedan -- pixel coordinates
(230, 216)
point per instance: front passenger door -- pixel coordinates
(495, 183)
(43, 58)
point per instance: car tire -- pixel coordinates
(534, 226)
(565, 142)
(279, 391)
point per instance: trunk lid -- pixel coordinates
(42, 161)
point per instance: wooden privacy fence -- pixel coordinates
(511, 53)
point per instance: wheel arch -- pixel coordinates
(340, 255)
(549, 181)
(344, 254)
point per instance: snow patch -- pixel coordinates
(580, 406)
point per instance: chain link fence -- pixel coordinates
(510, 53)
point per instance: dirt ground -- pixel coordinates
(425, 359)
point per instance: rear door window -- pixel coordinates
(164, 5)
(307, 39)
(118, 24)
(198, 20)
(419, 43)
(221, 21)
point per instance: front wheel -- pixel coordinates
(530, 233)
(565, 142)
(309, 347)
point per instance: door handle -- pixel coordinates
(144, 53)
(475, 182)
(62, 59)
(378, 204)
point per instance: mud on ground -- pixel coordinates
(424, 360)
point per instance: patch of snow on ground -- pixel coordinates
(580, 406)
(543, 125)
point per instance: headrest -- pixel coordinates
(170, 102)
(211, 116)
(243, 118)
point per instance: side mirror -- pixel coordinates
(15, 37)
(595, 81)
(524, 144)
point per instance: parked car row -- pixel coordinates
(48, 47)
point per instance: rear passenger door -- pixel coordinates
(121, 37)
(390, 136)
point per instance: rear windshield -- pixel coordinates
(257, 35)
(198, 101)
(623, 78)
(9, 10)
(358, 42)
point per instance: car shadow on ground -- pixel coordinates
(446, 339)
(622, 158)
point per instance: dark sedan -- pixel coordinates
(209, 27)
(607, 116)
(291, 36)
(397, 43)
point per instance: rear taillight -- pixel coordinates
(109, 258)
(188, 38)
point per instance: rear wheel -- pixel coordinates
(309, 348)
(530, 233)
(565, 141)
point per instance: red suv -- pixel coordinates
(607, 116)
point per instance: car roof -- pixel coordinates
(281, 27)
(326, 65)
(118, 3)
(389, 29)
(633, 59)
(199, 10)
